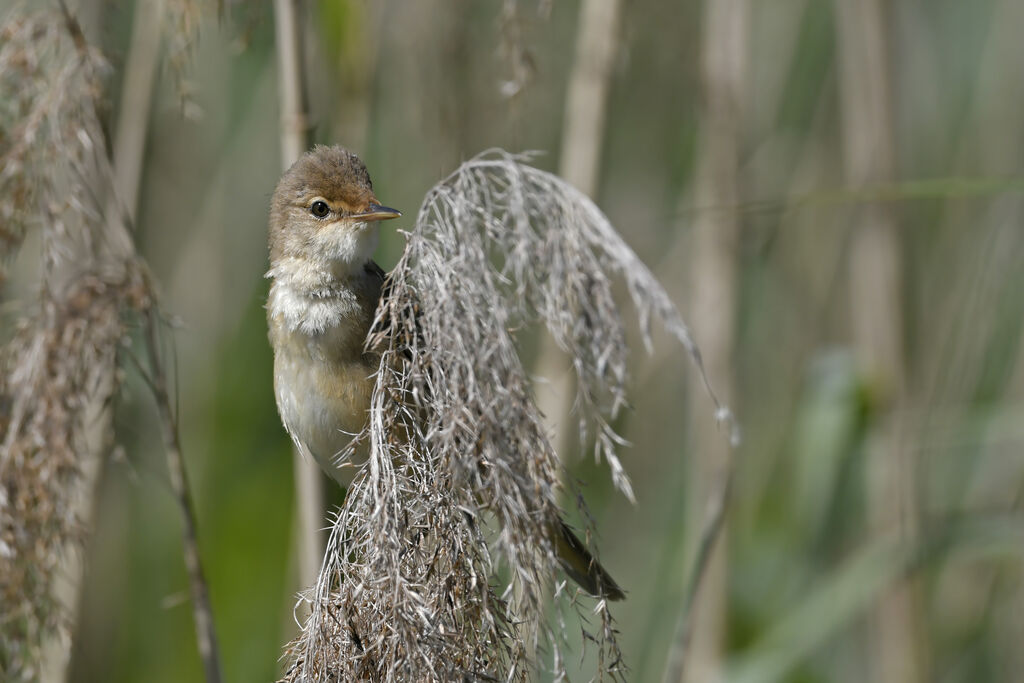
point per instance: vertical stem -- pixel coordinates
(136, 99)
(309, 495)
(68, 582)
(597, 45)
(202, 612)
(291, 80)
(128, 144)
(714, 275)
(877, 316)
(714, 523)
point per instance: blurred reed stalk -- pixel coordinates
(202, 611)
(713, 265)
(129, 144)
(597, 47)
(291, 78)
(876, 292)
(60, 371)
(140, 71)
(586, 107)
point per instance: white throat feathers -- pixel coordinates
(313, 293)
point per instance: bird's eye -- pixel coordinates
(319, 209)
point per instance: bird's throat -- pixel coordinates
(344, 248)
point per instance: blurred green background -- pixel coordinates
(834, 567)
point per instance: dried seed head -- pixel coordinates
(408, 588)
(58, 370)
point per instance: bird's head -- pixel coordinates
(324, 213)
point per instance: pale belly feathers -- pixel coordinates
(322, 416)
(323, 383)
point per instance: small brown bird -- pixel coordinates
(323, 232)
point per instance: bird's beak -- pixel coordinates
(376, 212)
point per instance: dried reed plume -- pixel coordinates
(462, 479)
(59, 371)
(48, 87)
(60, 365)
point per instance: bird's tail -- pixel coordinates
(581, 566)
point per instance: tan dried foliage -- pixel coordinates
(59, 368)
(44, 101)
(462, 482)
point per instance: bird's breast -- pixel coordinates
(323, 382)
(323, 403)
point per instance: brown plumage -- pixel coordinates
(333, 173)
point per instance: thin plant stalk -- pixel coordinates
(129, 143)
(129, 147)
(702, 620)
(586, 106)
(136, 102)
(714, 522)
(309, 493)
(60, 368)
(202, 612)
(583, 128)
(877, 317)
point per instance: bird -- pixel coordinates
(325, 289)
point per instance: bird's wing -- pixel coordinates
(375, 270)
